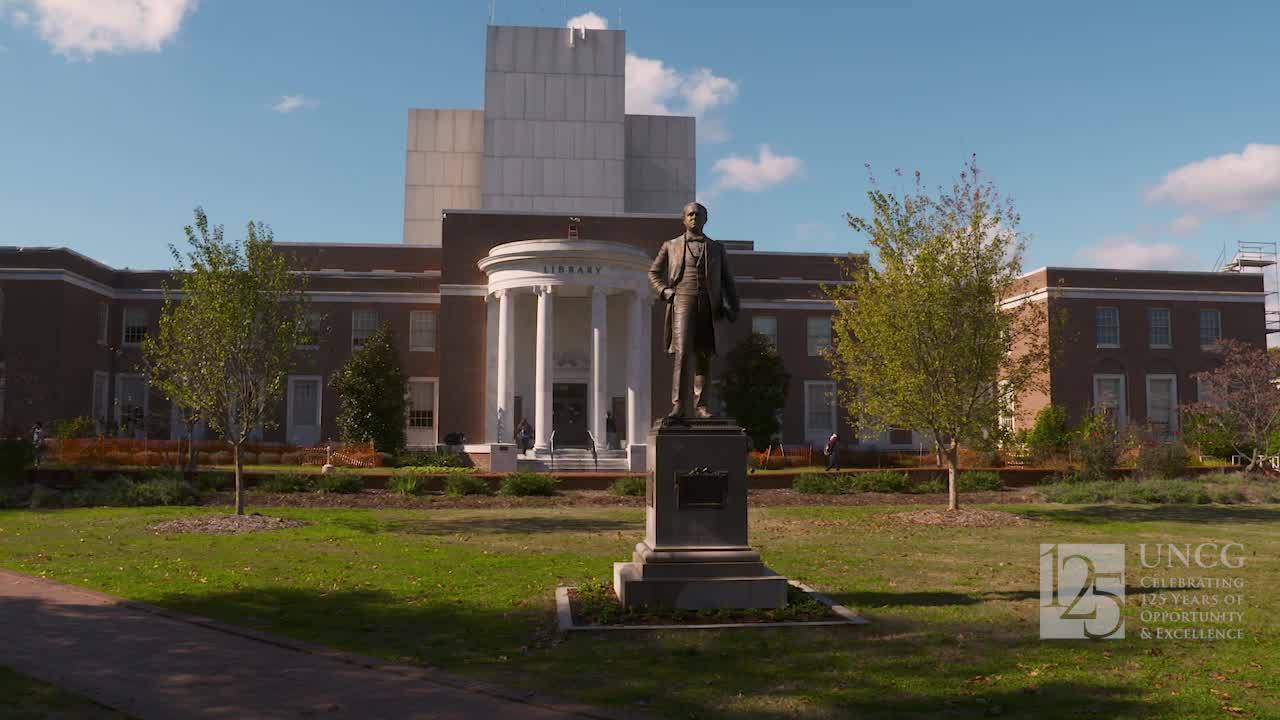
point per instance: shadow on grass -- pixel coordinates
(1157, 513)
(895, 668)
(498, 524)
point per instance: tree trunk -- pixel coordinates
(235, 451)
(953, 476)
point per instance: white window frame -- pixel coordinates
(118, 410)
(1216, 313)
(815, 350)
(435, 405)
(1096, 326)
(100, 412)
(809, 429)
(354, 313)
(773, 337)
(1122, 405)
(1173, 398)
(124, 325)
(435, 331)
(289, 381)
(104, 323)
(1151, 326)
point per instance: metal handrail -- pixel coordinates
(551, 442)
(594, 460)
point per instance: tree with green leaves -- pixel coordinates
(227, 336)
(929, 336)
(371, 389)
(753, 385)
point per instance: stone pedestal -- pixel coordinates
(502, 457)
(695, 554)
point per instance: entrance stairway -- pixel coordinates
(575, 460)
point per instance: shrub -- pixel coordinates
(291, 458)
(885, 481)
(212, 481)
(15, 496)
(287, 483)
(628, 486)
(248, 457)
(222, 457)
(162, 489)
(1097, 447)
(341, 483)
(77, 427)
(1049, 434)
(1165, 492)
(527, 483)
(430, 459)
(934, 484)
(1209, 440)
(820, 484)
(43, 497)
(459, 485)
(1164, 460)
(16, 455)
(267, 457)
(407, 484)
(978, 481)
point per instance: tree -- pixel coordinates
(926, 338)
(1239, 399)
(371, 388)
(753, 385)
(225, 341)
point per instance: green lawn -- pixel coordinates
(25, 698)
(954, 611)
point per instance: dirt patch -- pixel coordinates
(963, 517)
(226, 524)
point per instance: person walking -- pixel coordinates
(524, 436)
(832, 451)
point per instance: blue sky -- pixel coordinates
(1137, 134)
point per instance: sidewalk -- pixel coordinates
(153, 663)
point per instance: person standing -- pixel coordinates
(37, 440)
(610, 431)
(832, 451)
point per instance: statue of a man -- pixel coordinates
(691, 274)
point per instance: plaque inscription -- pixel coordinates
(702, 488)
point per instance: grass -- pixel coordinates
(953, 611)
(27, 698)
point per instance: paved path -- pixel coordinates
(153, 663)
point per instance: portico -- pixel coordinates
(580, 309)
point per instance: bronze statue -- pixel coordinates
(691, 274)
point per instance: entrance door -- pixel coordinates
(569, 414)
(420, 430)
(304, 410)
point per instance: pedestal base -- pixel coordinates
(698, 580)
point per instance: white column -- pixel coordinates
(636, 359)
(490, 368)
(644, 365)
(544, 353)
(599, 401)
(506, 369)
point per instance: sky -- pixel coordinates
(1136, 134)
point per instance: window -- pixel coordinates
(1108, 396)
(899, 436)
(363, 324)
(819, 332)
(104, 315)
(1162, 403)
(1159, 334)
(101, 413)
(1210, 328)
(422, 330)
(819, 410)
(314, 322)
(135, 325)
(766, 325)
(1107, 326)
(422, 404)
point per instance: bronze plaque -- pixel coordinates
(702, 488)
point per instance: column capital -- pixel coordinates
(544, 289)
(496, 294)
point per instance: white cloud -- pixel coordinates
(655, 88)
(588, 20)
(767, 169)
(1185, 225)
(1125, 251)
(289, 103)
(83, 28)
(1235, 182)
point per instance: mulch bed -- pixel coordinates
(603, 609)
(225, 524)
(961, 517)
(594, 498)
